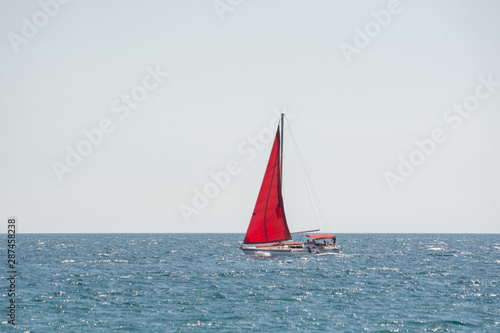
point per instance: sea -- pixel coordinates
(203, 282)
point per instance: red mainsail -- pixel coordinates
(268, 223)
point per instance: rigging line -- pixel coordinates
(318, 202)
(308, 190)
(309, 181)
(302, 169)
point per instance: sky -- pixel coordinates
(154, 116)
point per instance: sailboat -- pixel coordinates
(268, 233)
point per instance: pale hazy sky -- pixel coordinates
(207, 76)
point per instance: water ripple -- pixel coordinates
(173, 282)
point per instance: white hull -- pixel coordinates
(288, 251)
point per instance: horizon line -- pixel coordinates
(242, 233)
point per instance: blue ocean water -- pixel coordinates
(191, 282)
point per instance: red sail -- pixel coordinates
(268, 223)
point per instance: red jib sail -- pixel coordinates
(268, 223)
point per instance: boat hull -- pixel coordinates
(287, 251)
